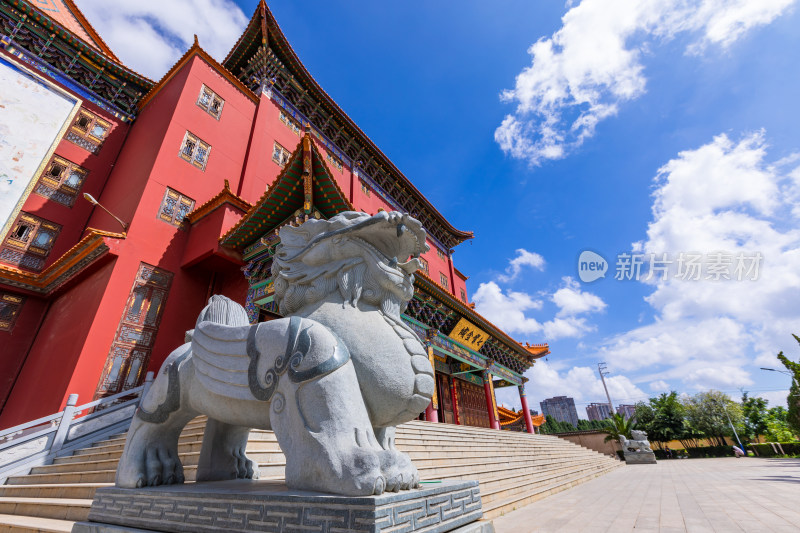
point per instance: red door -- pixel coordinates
(130, 352)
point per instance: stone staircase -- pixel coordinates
(514, 469)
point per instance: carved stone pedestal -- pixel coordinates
(640, 458)
(246, 505)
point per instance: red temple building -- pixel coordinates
(199, 170)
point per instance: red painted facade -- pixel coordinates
(61, 338)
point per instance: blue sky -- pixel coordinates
(644, 126)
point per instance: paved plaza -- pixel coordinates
(695, 495)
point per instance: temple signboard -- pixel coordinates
(468, 334)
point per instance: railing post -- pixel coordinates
(64, 423)
(148, 382)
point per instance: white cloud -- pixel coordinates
(580, 382)
(659, 386)
(775, 398)
(508, 310)
(524, 258)
(592, 64)
(573, 301)
(726, 196)
(149, 36)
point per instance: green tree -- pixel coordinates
(793, 400)
(754, 417)
(706, 412)
(777, 426)
(663, 419)
(617, 426)
(551, 425)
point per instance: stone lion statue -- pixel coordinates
(638, 442)
(332, 379)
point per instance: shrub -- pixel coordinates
(765, 450)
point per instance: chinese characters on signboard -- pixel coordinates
(468, 334)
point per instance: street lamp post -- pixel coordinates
(794, 380)
(725, 410)
(89, 198)
(601, 369)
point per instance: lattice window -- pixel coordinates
(175, 207)
(130, 352)
(10, 306)
(424, 266)
(441, 254)
(61, 181)
(88, 131)
(290, 123)
(364, 187)
(195, 151)
(29, 242)
(210, 101)
(280, 154)
(463, 295)
(443, 281)
(335, 161)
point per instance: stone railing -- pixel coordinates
(39, 441)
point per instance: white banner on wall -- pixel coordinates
(34, 115)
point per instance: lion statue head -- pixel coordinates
(362, 258)
(638, 435)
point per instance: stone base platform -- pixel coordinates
(640, 458)
(247, 505)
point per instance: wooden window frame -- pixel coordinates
(441, 254)
(365, 188)
(25, 251)
(444, 281)
(82, 131)
(55, 186)
(280, 155)
(208, 106)
(463, 294)
(13, 303)
(192, 155)
(183, 204)
(425, 267)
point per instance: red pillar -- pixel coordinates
(431, 412)
(525, 411)
(487, 388)
(454, 401)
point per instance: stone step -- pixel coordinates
(56, 508)
(513, 469)
(516, 501)
(107, 476)
(264, 452)
(522, 483)
(31, 524)
(190, 458)
(59, 490)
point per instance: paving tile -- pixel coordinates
(696, 495)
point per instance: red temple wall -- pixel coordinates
(63, 338)
(81, 323)
(17, 342)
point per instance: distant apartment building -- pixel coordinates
(560, 408)
(598, 411)
(626, 410)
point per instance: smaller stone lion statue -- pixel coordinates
(638, 442)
